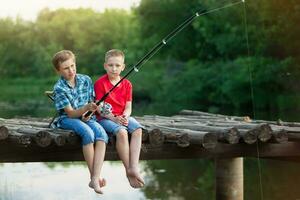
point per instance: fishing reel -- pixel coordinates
(106, 108)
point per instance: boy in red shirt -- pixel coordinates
(119, 122)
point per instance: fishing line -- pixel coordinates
(252, 99)
(158, 46)
(186, 23)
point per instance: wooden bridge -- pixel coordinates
(190, 134)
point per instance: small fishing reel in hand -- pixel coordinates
(105, 109)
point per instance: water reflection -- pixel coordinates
(180, 179)
(280, 179)
(23, 181)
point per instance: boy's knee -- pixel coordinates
(122, 134)
(138, 131)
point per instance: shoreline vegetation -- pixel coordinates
(25, 97)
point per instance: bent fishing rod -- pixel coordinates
(156, 48)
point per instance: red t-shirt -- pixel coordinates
(118, 97)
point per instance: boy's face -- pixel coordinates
(114, 66)
(67, 69)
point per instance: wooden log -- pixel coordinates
(279, 123)
(248, 136)
(286, 128)
(200, 113)
(42, 138)
(19, 138)
(3, 132)
(156, 137)
(206, 139)
(172, 135)
(264, 132)
(59, 136)
(166, 126)
(280, 136)
(59, 140)
(204, 120)
(70, 136)
(200, 127)
(17, 127)
(231, 136)
(228, 134)
(12, 122)
(182, 140)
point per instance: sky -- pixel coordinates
(29, 9)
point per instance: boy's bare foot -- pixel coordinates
(96, 183)
(134, 178)
(102, 183)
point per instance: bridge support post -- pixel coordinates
(229, 178)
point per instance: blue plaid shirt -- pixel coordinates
(76, 97)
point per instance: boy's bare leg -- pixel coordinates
(99, 153)
(88, 154)
(122, 146)
(135, 149)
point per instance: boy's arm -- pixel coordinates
(128, 109)
(72, 113)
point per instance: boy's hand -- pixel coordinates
(125, 120)
(121, 120)
(89, 107)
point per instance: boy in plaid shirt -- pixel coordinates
(73, 96)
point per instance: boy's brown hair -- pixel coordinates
(113, 53)
(61, 57)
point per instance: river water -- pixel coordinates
(22, 181)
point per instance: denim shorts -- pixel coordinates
(112, 127)
(89, 131)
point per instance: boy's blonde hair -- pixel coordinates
(114, 53)
(61, 57)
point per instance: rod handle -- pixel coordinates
(88, 114)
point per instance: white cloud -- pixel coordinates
(28, 9)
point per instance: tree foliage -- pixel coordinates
(240, 59)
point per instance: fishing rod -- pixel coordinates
(157, 47)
